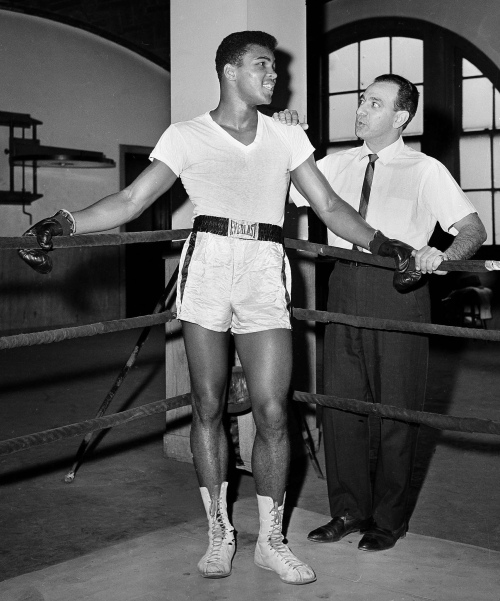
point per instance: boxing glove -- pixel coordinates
(403, 279)
(60, 224)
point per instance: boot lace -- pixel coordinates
(218, 533)
(276, 541)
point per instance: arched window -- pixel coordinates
(458, 120)
(352, 68)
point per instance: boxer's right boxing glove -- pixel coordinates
(60, 224)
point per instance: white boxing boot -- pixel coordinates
(271, 553)
(216, 563)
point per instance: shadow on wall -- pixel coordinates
(282, 92)
(83, 287)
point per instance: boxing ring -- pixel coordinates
(160, 316)
(344, 556)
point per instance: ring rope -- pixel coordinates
(473, 425)
(324, 250)
(21, 443)
(434, 420)
(361, 257)
(118, 325)
(163, 302)
(102, 327)
(374, 323)
(78, 241)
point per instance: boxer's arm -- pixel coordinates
(124, 206)
(109, 212)
(344, 221)
(336, 214)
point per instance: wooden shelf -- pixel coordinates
(18, 198)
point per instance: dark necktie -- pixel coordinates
(366, 189)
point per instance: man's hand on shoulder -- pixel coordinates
(428, 259)
(290, 117)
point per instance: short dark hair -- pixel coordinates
(233, 47)
(407, 96)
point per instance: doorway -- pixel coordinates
(144, 271)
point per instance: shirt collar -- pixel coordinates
(386, 154)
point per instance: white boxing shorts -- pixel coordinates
(234, 283)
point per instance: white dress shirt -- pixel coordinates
(410, 192)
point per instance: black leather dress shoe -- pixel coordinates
(381, 539)
(337, 528)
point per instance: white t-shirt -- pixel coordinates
(410, 192)
(225, 178)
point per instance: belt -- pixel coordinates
(247, 230)
(353, 263)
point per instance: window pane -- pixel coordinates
(475, 162)
(497, 109)
(408, 58)
(342, 116)
(469, 70)
(496, 162)
(482, 203)
(477, 104)
(497, 220)
(416, 126)
(374, 60)
(343, 69)
(334, 149)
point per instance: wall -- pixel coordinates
(477, 22)
(90, 94)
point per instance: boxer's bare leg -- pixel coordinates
(207, 354)
(266, 358)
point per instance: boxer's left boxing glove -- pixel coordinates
(404, 279)
(60, 224)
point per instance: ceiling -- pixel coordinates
(143, 27)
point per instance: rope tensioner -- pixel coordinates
(162, 303)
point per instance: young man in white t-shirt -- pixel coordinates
(234, 277)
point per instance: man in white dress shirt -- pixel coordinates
(405, 193)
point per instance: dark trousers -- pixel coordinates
(378, 367)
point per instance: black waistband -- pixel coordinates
(222, 226)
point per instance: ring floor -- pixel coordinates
(161, 566)
(132, 522)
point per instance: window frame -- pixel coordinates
(442, 98)
(436, 40)
(328, 143)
